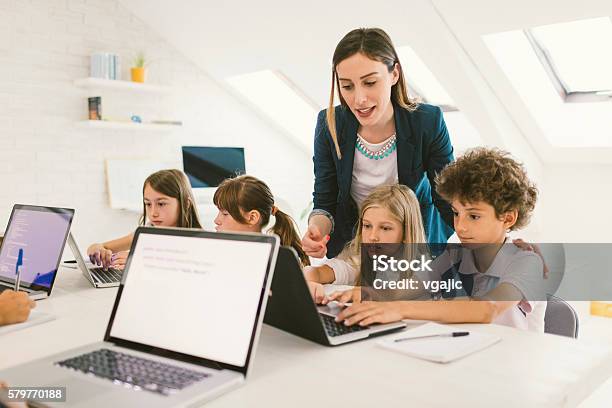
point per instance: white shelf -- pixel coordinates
(128, 86)
(109, 125)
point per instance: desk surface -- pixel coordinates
(524, 369)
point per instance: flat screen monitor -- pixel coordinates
(207, 166)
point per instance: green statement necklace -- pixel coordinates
(385, 151)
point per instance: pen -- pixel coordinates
(18, 269)
(453, 334)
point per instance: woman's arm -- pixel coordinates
(325, 193)
(436, 155)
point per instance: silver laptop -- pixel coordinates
(34, 241)
(96, 275)
(168, 343)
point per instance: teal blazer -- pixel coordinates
(423, 150)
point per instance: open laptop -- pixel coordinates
(96, 275)
(35, 237)
(169, 341)
(291, 308)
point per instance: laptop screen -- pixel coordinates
(196, 294)
(35, 238)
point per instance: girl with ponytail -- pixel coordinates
(246, 203)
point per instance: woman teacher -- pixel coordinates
(377, 135)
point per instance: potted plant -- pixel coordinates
(138, 70)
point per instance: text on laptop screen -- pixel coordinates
(39, 236)
(209, 166)
(193, 295)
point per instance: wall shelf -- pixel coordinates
(118, 85)
(109, 125)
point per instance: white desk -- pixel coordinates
(524, 369)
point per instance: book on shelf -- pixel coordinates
(105, 65)
(95, 108)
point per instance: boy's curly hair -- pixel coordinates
(492, 176)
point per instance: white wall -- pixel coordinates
(576, 199)
(45, 159)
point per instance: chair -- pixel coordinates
(560, 318)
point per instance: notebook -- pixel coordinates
(35, 318)
(439, 349)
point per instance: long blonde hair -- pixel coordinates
(375, 44)
(404, 207)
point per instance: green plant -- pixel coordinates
(139, 61)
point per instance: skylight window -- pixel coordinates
(578, 53)
(543, 92)
(422, 81)
(281, 102)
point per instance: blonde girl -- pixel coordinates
(390, 214)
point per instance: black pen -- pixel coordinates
(453, 334)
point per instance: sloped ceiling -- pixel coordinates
(298, 38)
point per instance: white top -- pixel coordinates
(344, 271)
(522, 269)
(369, 173)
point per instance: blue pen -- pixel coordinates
(18, 269)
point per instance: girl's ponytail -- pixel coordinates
(245, 193)
(286, 229)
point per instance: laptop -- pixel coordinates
(169, 342)
(96, 275)
(292, 309)
(35, 237)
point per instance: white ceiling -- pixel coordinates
(230, 38)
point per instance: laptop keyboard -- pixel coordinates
(110, 275)
(334, 328)
(140, 373)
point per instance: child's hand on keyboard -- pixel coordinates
(317, 291)
(118, 259)
(99, 255)
(345, 296)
